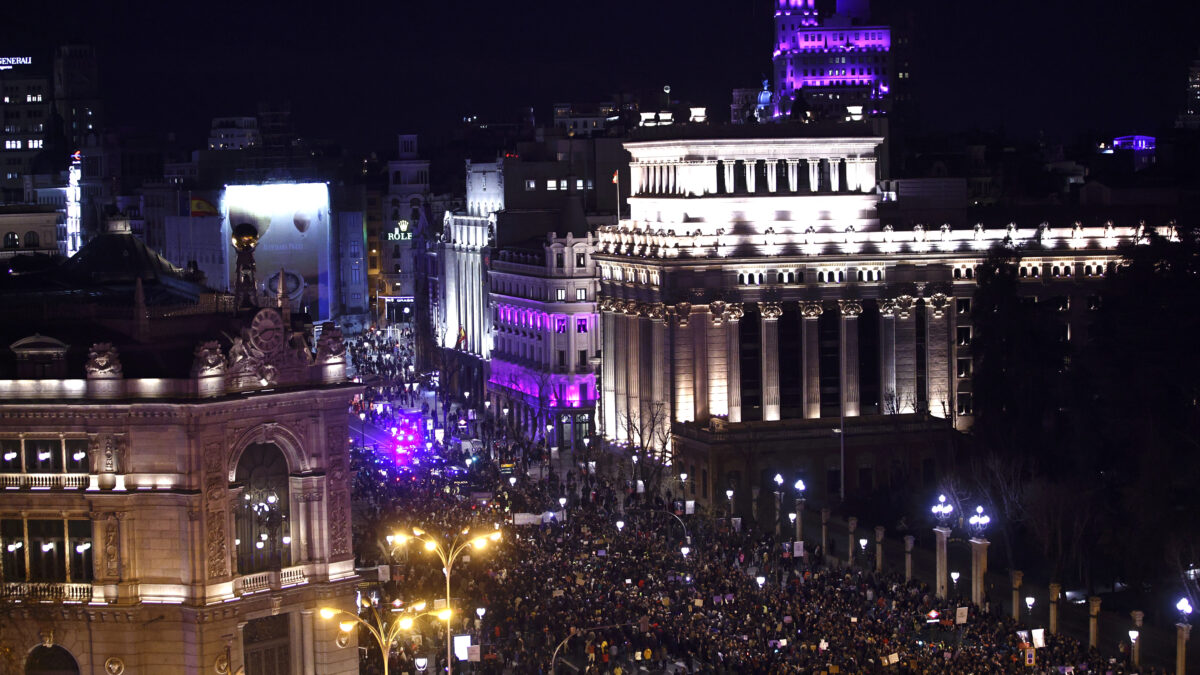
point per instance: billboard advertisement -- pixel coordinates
(292, 220)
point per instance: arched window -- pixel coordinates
(263, 530)
(11, 240)
(821, 276)
(50, 660)
(741, 278)
(957, 273)
(32, 240)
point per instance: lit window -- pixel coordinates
(560, 325)
(36, 143)
(531, 184)
(581, 294)
(581, 325)
(561, 294)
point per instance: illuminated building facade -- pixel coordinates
(754, 300)
(546, 337)
(835, 63)
(26, 95)
(176, 500)
(405, 214)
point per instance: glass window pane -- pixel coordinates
(10, 456)
(77, 459)
(80, 532)
(43, 455)
(12, 549)
(46, 561)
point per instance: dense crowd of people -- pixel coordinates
(649, 596)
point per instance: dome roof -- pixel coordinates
(117, 258)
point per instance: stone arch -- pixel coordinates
(51, 659)
(271, 432)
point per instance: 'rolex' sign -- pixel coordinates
(400, 233)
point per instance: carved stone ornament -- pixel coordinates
(103, 361)
(887, 306)
(734, 312)
(851, 308)
(939, 302)
(684, 309)
(112, 548)
(114, 666)
(214, 534)
(331, 346)
(771, 311)
(717, 309)
(215, 478)
(811, 310)
(904, 305)
(606, 303)
(656, 312)
(339, 518)
(208, 359)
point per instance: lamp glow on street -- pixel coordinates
(620, 525)
(480, 611)
(512, 481)
(1029, 602)
(1133, 636)
(562, 501)
(1184, 607)
(683, 478)
(799, 485)
(778, 479)
(685, 551)
(792, 517)
(954, 577)
(862, 543)
(760, 581)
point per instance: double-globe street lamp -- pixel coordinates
(386, 627)
(448, 553)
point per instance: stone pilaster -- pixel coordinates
(699, 323)
(906, 355)
(659, 367)
(772, 175)
(749, 166)
(887, 357)
(681, 348)
(734, 314)
(814, 175)
(771, 311)
(718, 400)
(937, 354)
(620, 411)
(633, 362)
(835, 174)
(793, 173)
(730, 181)
(851, 309)
(811, 374)
(608, 367)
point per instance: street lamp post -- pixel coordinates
(800, 487)
(979, 545)
(362, 430)
(448, 554)
(1135, 647)
(942, 511)
(729, 498)
(384, 630)
(778, 505)
(954, 580)
(1183, 630)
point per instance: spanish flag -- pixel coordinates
(615, 176)
(202, 207)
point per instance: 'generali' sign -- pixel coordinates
(7, 62)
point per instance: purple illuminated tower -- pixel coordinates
(840, 65)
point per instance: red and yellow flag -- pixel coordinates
(615, 176)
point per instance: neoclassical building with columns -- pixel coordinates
(758, 317)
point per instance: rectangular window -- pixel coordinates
(35, 144)
(964, 367)
(579, 184)
(10, 456)
(561, 294)
(581, 294)
(964, 306)
(562, 185)
(12, 549)
(562, 358)
(530, 185)
(964, 336)
(79, 535)
(77, 458)
(551, 184)
(583, 355)
(560, 325)
(47, 560)
(559, 260)
(581, 260)
(581, 327)
(43, 456)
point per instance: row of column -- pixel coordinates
(696, 352)
(699, 178)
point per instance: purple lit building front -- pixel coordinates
(835, 63)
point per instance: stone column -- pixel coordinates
(635, 178)
(699, 331)
(1182, 632)
(608, 367)
(811, 371)
(1135, 649)
(825, 532)
(750, 165)
(906, 355)
(851, 526)
(733, 341)
(771, 311)
(1017, 575)
(909, 540)
(772, 175)
(1055, 592)
(852, 167)
(941, 534)
(835, 171)
(867, 180)
(1093, 622)
(800, 520)
(979, 548)
(658, 370)
(851, 309)
(793, 173)
(937, 354)
(633, 380)
(730, 181)
(620, 411)
(814, 174)
(887, 357)
(685, 382)
(878, 548)
(308, 655)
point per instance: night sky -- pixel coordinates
(361, 76)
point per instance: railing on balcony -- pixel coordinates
(44, 481)
(37, 591)
(270, 580)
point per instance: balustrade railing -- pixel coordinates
(270, 580)
(43, 481)
(37, 591)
